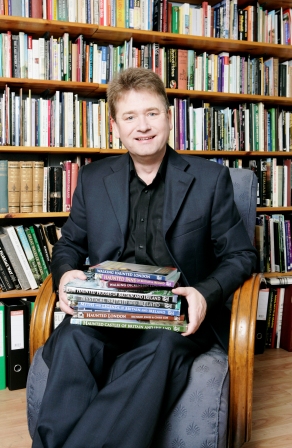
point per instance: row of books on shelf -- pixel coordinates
(25, 255)
(65, 120)
(274, 316)
(66, 60)
(273, 242)
(274, 181)
(15, 314)
(32, 187)
(246, 127)
(225, 19)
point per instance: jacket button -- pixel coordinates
(119, 253)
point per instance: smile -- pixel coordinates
(144, 138)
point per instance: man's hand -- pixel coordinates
(68, 277)
(197, 307)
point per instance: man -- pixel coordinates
(149, 206)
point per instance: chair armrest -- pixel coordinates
(41, 323)
(241, 359)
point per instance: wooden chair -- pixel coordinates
(241, 343)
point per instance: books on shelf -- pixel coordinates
(96, 302)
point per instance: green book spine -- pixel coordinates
(151, 325)
(39, 251)
(28, 252)
(3, 186)
(175, 20)
(35, 253)
(2, 348)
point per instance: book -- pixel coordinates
(143, 281)
(2, 348)
(17, 266)
(109, 307)
(55, 189)
(28, 252)
(3, 186)
(37, 186)
(150, 325)
(286, 330)
(133, 270)
(9, 267)
(11, 233)
(26, 179)
(40, 234)
(135, 316)
(45, 271)
(75, 298)
(274, 281)
(5, 280)
(13, 186)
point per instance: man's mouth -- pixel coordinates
(141, 139)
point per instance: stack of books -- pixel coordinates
(127, 295)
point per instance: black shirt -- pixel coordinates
(145, 243)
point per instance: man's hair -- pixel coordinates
(138, 79)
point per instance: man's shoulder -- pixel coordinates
(199, 163)
(105, 165)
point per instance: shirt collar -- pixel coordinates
(161, 173)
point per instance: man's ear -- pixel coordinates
(115, 127)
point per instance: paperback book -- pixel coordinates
(127, 323)
(74, 299)
(134, 270)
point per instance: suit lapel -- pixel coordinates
(177, 184)
(117, 186)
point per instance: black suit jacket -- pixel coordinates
(203, 231)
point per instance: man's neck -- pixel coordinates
(147, 169)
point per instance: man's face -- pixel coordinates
(142, 124)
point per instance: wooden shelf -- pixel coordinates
(15, 293)
(34, 215)
(277, 274)
(274, 209)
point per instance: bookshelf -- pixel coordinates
(117, 36)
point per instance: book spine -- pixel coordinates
(136, 316)
(75, 298)
(119, 278)
(7, 283)
(125, 294)
(28, 252)
(126, 308)
(35, 252)
(136, 325)
(19, 270)
(129, 274)
(39, 251)
(7, 263)
(3, 186)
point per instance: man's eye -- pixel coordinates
(130, 118)
(152, 114)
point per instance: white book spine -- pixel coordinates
(45, 190)
(21, 256)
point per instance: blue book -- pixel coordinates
(3, 186)
(83, 306)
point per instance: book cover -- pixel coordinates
(35, 253)
(172, 82)
(151, 325)
(182, 61)
(37, 243)
(43, 243)
(6, 282)
(135, 270)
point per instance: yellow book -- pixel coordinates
(25, 187)
(13, 186)
(37, 186)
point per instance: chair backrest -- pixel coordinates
(245, 196)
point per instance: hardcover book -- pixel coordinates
(134, 270)
(147, 325)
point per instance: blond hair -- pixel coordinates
(134, 79)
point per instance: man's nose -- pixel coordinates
(143, 122)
